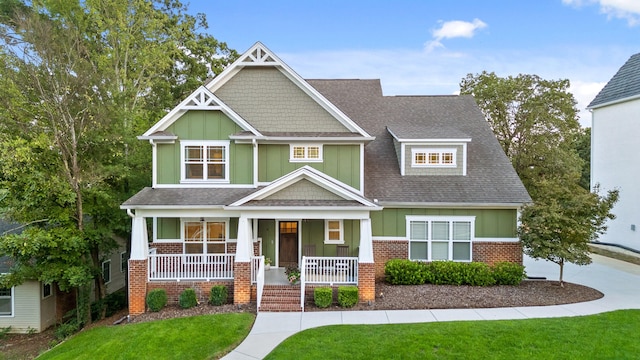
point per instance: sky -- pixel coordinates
(426, 47)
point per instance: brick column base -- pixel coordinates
(137, 286)
(242, 283)
(367, 282)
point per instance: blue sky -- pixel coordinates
(427, 47)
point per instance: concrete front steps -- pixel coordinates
(280, 298)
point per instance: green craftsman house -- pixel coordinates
(329, 176)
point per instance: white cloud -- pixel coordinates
(454, 29)
(623, 9)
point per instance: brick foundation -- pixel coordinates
(384, 250)
(492, 252)
(202, 289)
(242, 283)
(366, 282)
(137, 286)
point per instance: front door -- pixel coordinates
(288, 254)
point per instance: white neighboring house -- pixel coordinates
(615, 154)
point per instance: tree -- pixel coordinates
(80, 80)
(535, 121)
(532, 118)
(582, 145)
(559, 225)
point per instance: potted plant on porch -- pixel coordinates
(267, 263)
(293, 275)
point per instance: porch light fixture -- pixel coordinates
(201, 219)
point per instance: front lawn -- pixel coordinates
(199, 337)
(611, 335)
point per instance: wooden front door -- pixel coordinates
(288, 254)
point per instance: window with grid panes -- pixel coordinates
(440, 238)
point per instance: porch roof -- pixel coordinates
(183, 197)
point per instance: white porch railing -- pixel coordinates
(255, 265)
(190, 267)
(259, 279)
(327, 270)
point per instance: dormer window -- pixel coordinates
(205, 161)
(305, 153)
(433, 157)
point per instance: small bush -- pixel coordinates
(347, 296)
(156, 299)
(4, 331)
(188, 299)
(405, 272)
(65, 330)
(218, 295)
(446, 273)
(508, 273)
(323, 296)
(477, 274)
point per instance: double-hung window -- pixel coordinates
(305, 153)
(205, 161)
(433, 238)
(106, 271)
(433, 157)
(6, 301)
(205, 237)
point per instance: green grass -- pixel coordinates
(199, 337)
(611, 335)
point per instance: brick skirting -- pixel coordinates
(137, 286)
(202, 289)
(384, 250)
(493, 252)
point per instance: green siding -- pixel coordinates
(313, 233)
(491, 223)
(168, 228)
(205, 125)
(233, 228)
(267, 231)
(339, 161)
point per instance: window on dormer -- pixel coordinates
(305, 153)
(205, 161)
(433, 158)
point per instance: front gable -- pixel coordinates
(305, 187)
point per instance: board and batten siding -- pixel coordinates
(204, 125)
(341, 162)
(490, 223)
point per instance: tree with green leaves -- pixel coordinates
(78, 81)
(535, 121)
(561, 223)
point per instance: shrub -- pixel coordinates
(218, 295)
(508, 273)
(477, 274)
(156, 299)
(347, 296)
(188, 299)
(323, 296)
(446, 273)
(4, 331)
(405, 272)
(65, 330)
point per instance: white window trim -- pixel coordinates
(426, 152)
(50, 291)
(183, 221)
(183, 173)
(451, 220)
(326, 232)
(306, 153)
(13, 304)
(110, 275)
(123, 261)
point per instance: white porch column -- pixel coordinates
(366, 242)
(244, 247)
(139, 239)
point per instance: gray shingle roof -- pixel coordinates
(490, 177)
(187, 196)
(624, 84)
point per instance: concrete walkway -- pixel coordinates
(618, 280)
